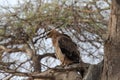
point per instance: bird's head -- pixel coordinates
(51, 33)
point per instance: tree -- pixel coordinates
(22, 34)
(111, 69)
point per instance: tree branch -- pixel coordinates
(51, 73)
(94, 72)
(47, 55)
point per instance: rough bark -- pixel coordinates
(94, 72)
(58, 75)
(36, 61)
(111, 70)
(70, 72)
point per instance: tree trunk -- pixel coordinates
(111, 70)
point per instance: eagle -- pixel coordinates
(66, 50)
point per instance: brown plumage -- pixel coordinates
(66, 50)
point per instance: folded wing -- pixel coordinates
(69, 48)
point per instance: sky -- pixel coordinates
(8, 2)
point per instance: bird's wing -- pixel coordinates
(69, 48)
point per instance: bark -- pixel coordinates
(71, 73)
(58, 75)
(111, 70)
(36, 61)
(94, 72)
(61, 73)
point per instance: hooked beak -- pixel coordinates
(46, 35)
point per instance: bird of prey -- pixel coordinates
(66, 50)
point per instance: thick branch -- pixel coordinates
(55, 73)
(47, 55)
(94, 72)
